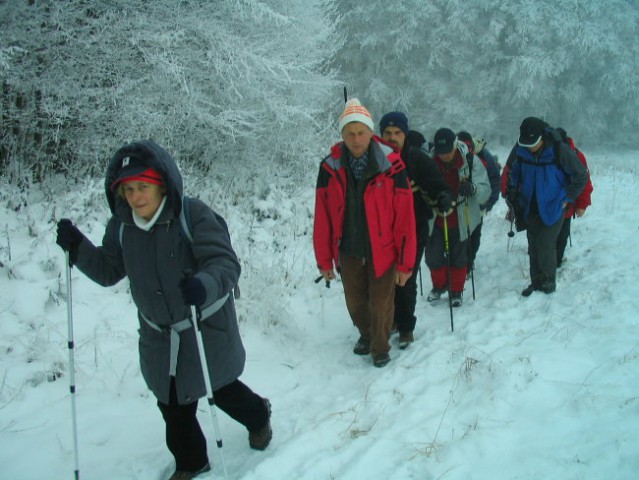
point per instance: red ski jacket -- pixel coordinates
(388, 202)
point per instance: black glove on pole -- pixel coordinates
(467, 189)
(512, 195)
(193, 290)
(69, 238)
(444, 202)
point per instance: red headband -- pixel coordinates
(148, 176)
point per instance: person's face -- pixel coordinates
(395, 136)
(143, 198)
(448, 157)
(536, 147)
(357, 138)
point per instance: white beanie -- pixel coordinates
(355, 112)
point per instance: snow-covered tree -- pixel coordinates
(485, 65)
(225, 83)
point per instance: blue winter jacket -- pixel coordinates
(553, 185)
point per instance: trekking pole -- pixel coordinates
(196, 315)
(511, 232)
(72, 367)
(449, 279)
(472, 267)
(421, 287)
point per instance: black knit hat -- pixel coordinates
(394, 119)
(464, 136)
(415, 138)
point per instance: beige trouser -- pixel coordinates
(370, 301)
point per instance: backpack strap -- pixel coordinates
(185, 218)
(554, 136)
(120, 234)
(187, 230)
(469, 160)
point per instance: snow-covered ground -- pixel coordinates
(544, 387)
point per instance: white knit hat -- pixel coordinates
(355, 112)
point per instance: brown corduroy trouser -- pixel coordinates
(370, 301)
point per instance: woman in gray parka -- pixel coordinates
(146, 242)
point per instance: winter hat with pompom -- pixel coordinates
(355, 112)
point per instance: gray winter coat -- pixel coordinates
(155, 262)
(482, 184)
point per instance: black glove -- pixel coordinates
(467, 189)
(512, 195)
(193, 291)
(444, 202)
(69, 237)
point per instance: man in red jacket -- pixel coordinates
(365, 227)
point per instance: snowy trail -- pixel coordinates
(536, 388)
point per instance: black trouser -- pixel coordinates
(406, 296)
(184, 436)
(542, 249)
(473, 247)
(562, 240)
(436, 250)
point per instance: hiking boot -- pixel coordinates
(527, 292)
(381, 360)
(260, 439)
(435, 294)
(456, 299)
(362, 347)
(405, 339)
(185, 475)
(548, 287)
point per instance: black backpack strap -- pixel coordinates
(554, 137)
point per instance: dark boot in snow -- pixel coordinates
(548, 286)
(435, 294)
(362, 347)
(185, 475)
(260, 439)
(405, 339)
(381, 360)
(456, 299)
